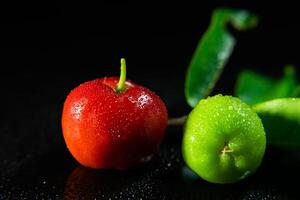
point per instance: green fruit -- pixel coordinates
(224, 140)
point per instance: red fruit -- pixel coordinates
(107, 128)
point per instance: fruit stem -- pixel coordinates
(122, 80)
(177, 121)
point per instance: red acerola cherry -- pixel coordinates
(113, 123)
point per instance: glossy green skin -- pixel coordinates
(217, 122)
(281, 119)
(213, 51)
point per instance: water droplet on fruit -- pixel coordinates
(143, 99)
(131, 99)
(193, 138)
(78, 107)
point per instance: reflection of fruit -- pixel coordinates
(86, 183)
(113, 123)
(224, 140)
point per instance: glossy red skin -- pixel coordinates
(106, 129)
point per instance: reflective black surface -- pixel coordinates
(55, 175)
(48, 49)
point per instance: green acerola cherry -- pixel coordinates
(224, 140)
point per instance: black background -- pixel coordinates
(48, 48)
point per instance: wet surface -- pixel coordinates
(38, 166)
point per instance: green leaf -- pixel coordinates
(296, 92)
(213, 51)
(281, 120)
(253, 88)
